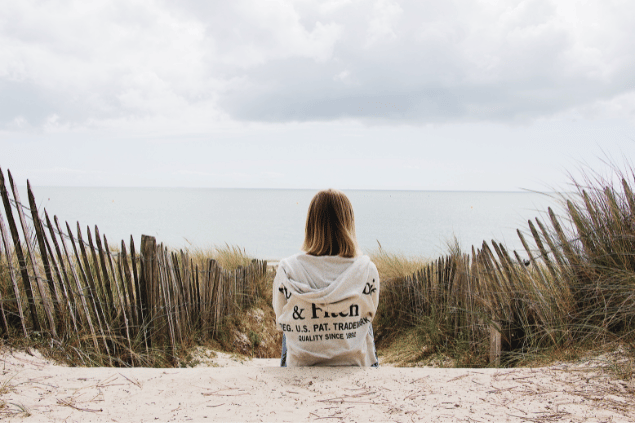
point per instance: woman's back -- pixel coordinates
(326, 298)
(324, 305)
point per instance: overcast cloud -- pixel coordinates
(151, 69)
(85, 63)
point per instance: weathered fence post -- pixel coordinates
(494, 343)
(147, 279)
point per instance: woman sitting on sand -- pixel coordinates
(326, 297)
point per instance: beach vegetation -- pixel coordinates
(391, 265)
(229, 257)
(570, 290)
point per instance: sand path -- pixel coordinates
(34, 389)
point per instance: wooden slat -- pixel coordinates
(474, 276)
(532, 259)
(88, 277)
(172, 285)
(137, 286)
(538, 291)
(12, 275)
(105, 282)
(102, 323)
(543, 252)
(205, 287)
(97, 284)
(494, 285)
(203, 275)
(119, 294)
(177, 299)
(128, 319)
(129, 282)
(507, 266)
(500, 276)
(147, 282)
(509, 263)
(180, 269)
(572, 257)
(127, 297)
(215, 301)
(117, 288)
(187, 285)
(5, 324)
(80, 290)
(17, 247)
(199, 310)
(142, 323)
(584, 237)
(46, 302)
(39, 232)
(560, 260)
(63, 274)
(494, 344)
(62, 288)
(165, 300)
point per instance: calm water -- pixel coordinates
(269, 224)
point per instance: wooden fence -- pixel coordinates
(64, 283)
(481, 295)
(71, 284)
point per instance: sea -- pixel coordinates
(269, 223)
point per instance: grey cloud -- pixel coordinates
(436, 77)
(370, 60)
(23, 100)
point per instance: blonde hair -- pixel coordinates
(330, 226)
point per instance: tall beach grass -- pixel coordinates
(571, 289)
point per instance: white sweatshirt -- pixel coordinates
(324, 305)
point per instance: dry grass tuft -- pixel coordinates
(572, 287)
(229, 257)
(395, 265)
(11, 409)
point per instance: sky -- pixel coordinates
(353, 94)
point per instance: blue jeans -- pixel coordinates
(283, 355)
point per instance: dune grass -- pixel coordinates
(395, 265)
(123, 343)
(229, 257)
(576, 292)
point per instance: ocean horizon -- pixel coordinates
(269, 223)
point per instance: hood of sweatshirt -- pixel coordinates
(324, 305)
(325, 279)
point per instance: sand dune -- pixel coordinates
(34, 389)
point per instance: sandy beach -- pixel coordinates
(225, 388)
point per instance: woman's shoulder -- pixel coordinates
(292, 258)
(372, 266)
(304, 258)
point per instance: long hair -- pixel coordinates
(330, 226)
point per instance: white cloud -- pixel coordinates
(149, 65)
(384, 16)
(102, 59)
(342, 76)
(19, 122)
(250, 33)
